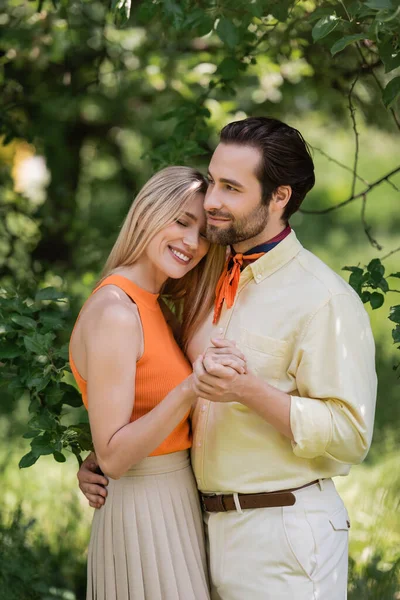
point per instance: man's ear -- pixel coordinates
(280, 198)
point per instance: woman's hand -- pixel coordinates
(92, 485)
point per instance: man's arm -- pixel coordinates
(332, 412)
(221, 384)
(334, 366)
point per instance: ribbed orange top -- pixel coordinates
(159, 370)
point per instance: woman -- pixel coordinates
(147, 541)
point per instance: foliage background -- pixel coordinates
(94, 99)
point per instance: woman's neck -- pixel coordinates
(143, 275)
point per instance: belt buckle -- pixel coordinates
(202, 501)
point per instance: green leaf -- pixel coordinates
(355, 281)
(31, 434)
(394, 314)
(41, 445)
(28, 460)
(324, 27)
(34, 344)
(390, 55)
(376, 265)
(53, 396)
(72, 398)
(227, 32)
(379, 4)
(38, 382)
(44, 420)
(376, 300)
(69, 379)
(10, 350)
(59, 457)
(391, 92)
(395, 275)
(280, 10)
(49, 293)
(25, 322)
(51, 319)
(346, 41)
(383, 284)
(396, 334)
(229, 68)
(365, 296)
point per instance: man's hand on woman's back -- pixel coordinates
(92, 484)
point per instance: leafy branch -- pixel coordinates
(33, 361)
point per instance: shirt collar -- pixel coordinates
(272, 260)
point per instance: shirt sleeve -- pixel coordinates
(334, 369)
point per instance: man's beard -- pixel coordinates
(240, 230)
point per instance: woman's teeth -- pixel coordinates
(180, 255)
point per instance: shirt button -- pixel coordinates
(204, 407)
(199, 444)
(258, 277)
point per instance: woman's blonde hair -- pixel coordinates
(159, 203)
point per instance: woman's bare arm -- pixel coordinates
(112, 349)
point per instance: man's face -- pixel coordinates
(233, 199)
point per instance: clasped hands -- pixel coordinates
(220, 372)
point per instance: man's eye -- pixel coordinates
(230, 188)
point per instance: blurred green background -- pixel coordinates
(94, 99)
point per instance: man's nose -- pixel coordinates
(212, 200)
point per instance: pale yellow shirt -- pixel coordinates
(305, 331)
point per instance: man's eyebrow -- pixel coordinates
(232, 182)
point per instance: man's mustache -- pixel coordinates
(218, 215)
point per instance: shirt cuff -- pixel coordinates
(311, 424)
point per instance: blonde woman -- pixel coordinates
(147, 540)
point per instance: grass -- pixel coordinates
(52, 529)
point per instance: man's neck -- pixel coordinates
(270, 231)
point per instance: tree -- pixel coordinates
(87, 90)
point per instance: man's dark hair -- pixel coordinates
(285, 157)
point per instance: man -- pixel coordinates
(267, 443)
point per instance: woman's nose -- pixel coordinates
(191, 240)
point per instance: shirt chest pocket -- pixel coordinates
(265, 355)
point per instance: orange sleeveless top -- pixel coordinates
(159, 370)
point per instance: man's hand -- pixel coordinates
(224, 352)
(218, 383)
(91, 484)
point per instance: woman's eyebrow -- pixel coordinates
(191, 216)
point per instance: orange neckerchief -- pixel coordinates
(228, 282)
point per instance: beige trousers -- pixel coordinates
(295, 552)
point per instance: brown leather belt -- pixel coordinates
(225, 502)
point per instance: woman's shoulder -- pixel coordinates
(111, 308)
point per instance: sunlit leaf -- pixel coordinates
(346, 41)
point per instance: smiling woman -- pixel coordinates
(138, 388)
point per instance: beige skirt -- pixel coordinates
(147, 541)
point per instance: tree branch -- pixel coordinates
(367, 228)
(378, 83)
(356, 136)
(353, 197)
(390, 253)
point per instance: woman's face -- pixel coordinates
(179, 247)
